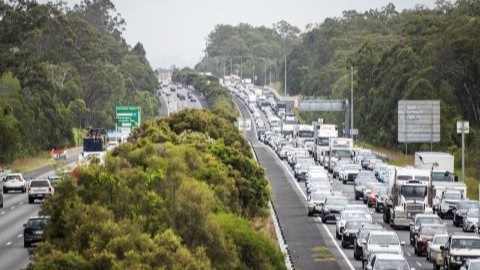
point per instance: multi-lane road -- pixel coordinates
(171, 102)
(311, 243)
(15, 212)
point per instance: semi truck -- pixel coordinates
(408, 193)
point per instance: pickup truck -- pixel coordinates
(458, 249)
(39, 189)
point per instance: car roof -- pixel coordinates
(389, 256)
(383, 232)
(464, 236)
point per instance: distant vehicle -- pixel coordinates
(425, 235)
(460, 211)
(471, 265)
(14, 181)
(382, 241)
(39, 189)
(33, 230)
(434, 254)
(388, 261)
(419, 220)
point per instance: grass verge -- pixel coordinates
(276, 86)
(396, 158)
(31, 163)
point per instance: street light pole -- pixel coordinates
(285, 82)
(351, 102)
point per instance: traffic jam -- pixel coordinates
(382, 216)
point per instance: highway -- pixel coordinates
(171, 102)
(311, 243)
(14, 214)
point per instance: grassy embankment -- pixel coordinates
(42, 159)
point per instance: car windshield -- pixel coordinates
(428, 220)
(39, 184)
(337, 201)
(354, 167)
(440, 240)
(391, 265)
(12, 177)
(353, 215)
(353, 224)
(318, 196)
(385, 239)
(453, 195)
(414, 191)
(473, 213)
(467, 205)
(469, 243)
(341, 153)
(474, 265)
(37, 223)
(434, 230)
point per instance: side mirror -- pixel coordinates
(411, 223)
(402, 243)
(25, 225)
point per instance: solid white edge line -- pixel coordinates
(281, 241)
(305, 197)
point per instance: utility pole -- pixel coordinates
(241, 69)
(285, 82)
(351, 102)
(253, 71)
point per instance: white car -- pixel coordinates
(316, 201)
(382, 241)
(434, 253)
(348, 215)
(388, 261)
(470, 220)
(360, 207)
(349, 172)
(14, 181)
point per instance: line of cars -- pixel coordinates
(373, 244)
(36, 189)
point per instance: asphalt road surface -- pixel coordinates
(311, 243)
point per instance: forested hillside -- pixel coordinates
(247, 50)
(62, 68)
(413, 54)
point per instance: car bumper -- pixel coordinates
(437, 258)
(348, 239)
(32, 238)
(421, 246)
(331, 216)
(400, 221)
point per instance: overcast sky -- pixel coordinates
(174, 31)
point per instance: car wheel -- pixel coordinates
(377, 210)
(455, 222)
(324, 220)
(411, 240)
(435, 266)
(24, 190)
(344, 182)
(310, 213)
(344, 245)
(26, 244)
(369, 204)
(31, 200)
(1, 204)
(415, 250)
(356, 197)
(5, 190)
(338, 235)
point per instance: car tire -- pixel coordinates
(5, 190)
(435, 266)
(356, 197)
(324, 220)
(344, 182)
(454, 222)
(31, 200)
(377, 210)
(24, 190)
(344, 245)
(26, 244)
(310, 213)
(369, 205)
(338, 235)
(1, 204)
(411, 240)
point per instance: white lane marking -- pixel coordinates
(20, 203)
(419, 264)
(410, 255)
(13, 207)
(324, 225)
(9, 243)
(4, 212)
(20, 235)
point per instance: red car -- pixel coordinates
(425, 235)
(372, 199)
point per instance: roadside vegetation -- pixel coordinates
(183, 193)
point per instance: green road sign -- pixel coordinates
(128, 116)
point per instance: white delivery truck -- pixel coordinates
(322, 141)
(339, 148)
(441, 166)
(305, 136)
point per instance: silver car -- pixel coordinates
(14, 181)
(470, 220)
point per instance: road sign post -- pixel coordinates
(128, 116)
(463, 127)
